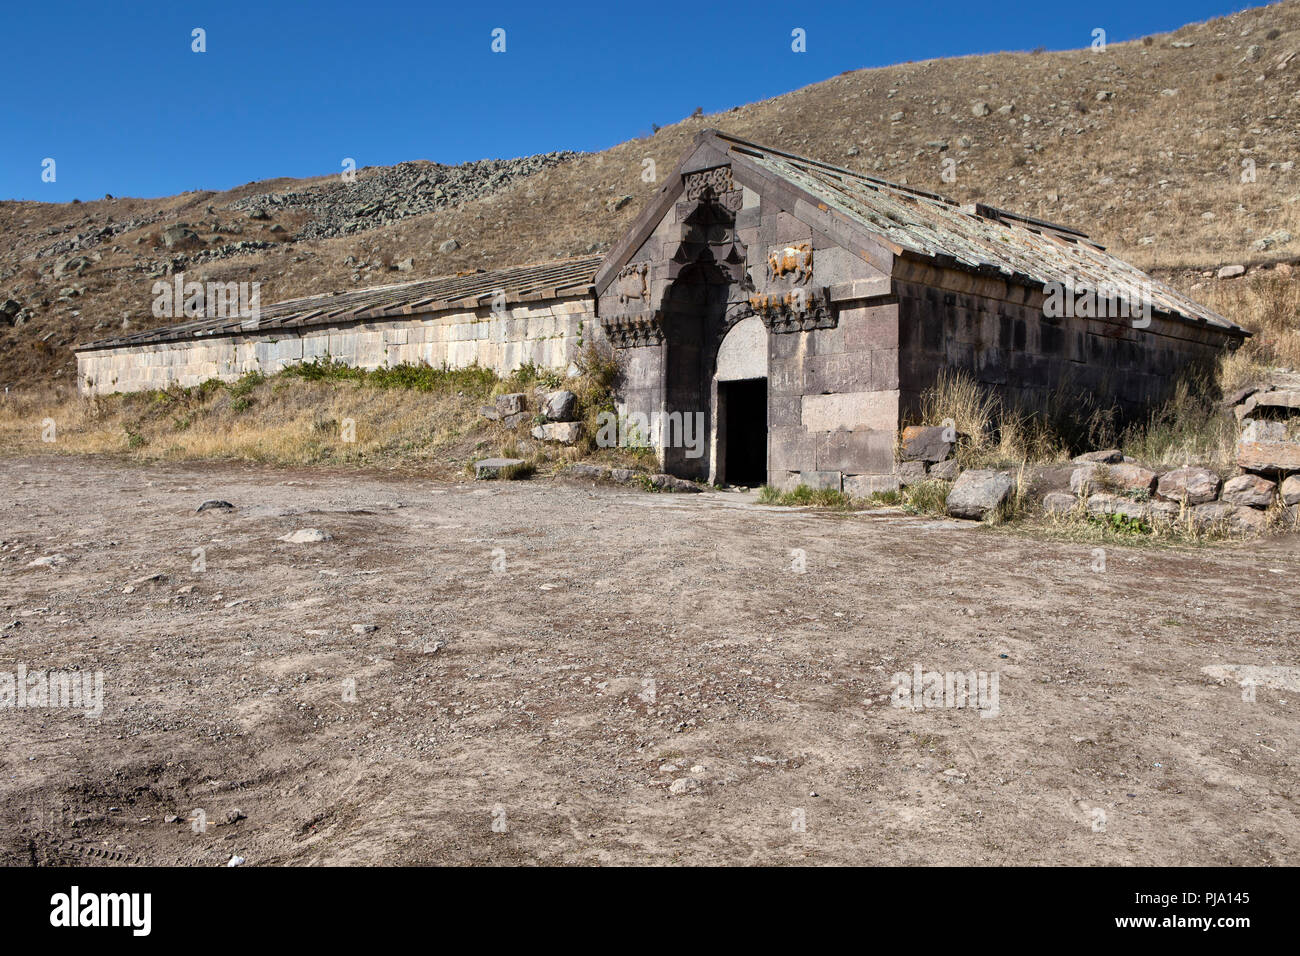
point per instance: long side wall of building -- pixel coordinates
(547, 334)
(996, 331)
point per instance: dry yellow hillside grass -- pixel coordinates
(297, 423)
(1268, 304)
(320, 413)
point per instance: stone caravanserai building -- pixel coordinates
(791, 311)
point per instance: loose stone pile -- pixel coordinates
(556, 416)
(1266, 486)
(390, 193)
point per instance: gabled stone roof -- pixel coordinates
(868, 215)
(542, 281)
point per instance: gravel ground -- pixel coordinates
(561, 673)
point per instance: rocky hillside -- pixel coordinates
(1178, 151)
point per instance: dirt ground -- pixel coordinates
(571, 674)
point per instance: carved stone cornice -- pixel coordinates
(795, 311)
(633, 330)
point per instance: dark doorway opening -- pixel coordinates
(745, 440)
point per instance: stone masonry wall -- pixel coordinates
(996, 330)
(545, 333)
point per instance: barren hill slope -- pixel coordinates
(1142, 146)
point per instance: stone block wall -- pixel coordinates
(546, 333)
(996, 330)
(833, 399)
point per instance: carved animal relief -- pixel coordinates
(795, 261)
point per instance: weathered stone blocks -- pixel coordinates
(978, 492)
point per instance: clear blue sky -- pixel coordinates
(111, 90)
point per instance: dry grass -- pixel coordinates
(315, 414)
(1267, 303)
(996, 434)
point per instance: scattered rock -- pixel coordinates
(492, 467)
(1110, 456)
(561, 406)
(671, 483)
(156, 578)
(181, 237)
(684, 785)
(305, 536)
(1059, 503)
(1279, 238)
(1247, 520)
(1231, 272)
(597, 472)
(946, 470)
(215, 504)
(1268, 456)
(1279, 398)
(910, 472)
(977, 492)
(566, 433)
(448, 245)
(1291, 490)
(511, 404)
(980, 109)
(926, 443)
(1210, 514)
(364, 628)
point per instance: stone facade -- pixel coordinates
(854, 327)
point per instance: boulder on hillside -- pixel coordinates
(181, 237)
(1197, 485)
(978, 492)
